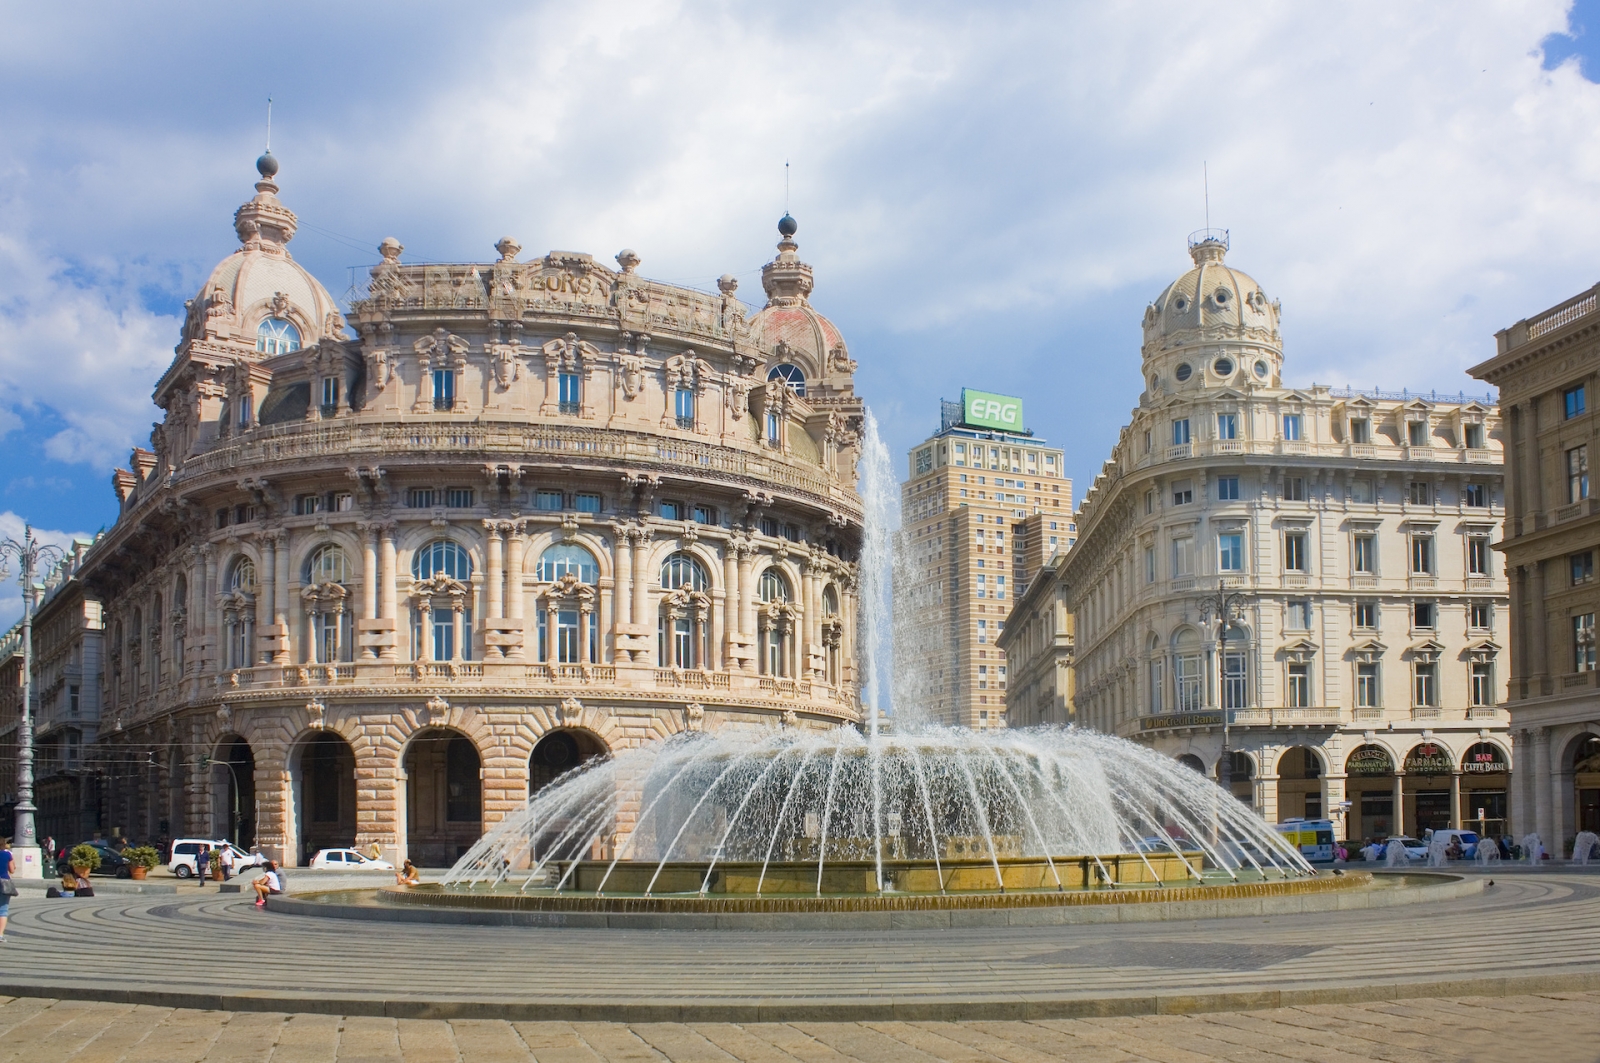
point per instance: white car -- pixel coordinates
(348, 860)
(184, 850)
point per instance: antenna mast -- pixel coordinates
(786, 186)
(269, 125)
(1205, 176)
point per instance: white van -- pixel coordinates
(1313, 837)
(184, 851)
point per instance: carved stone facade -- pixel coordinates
(1548, 371)
(371, 588)
(1366, 661)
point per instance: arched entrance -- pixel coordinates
(444, 796)
(1300, 784)
(558, 753)
(325, 794)
(1370, 785)
(1189, 760)
(1428, 769)
(233, 791)
(1586, 782)
(1244, 773)
(1484, 779)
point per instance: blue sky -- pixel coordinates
(989, 194)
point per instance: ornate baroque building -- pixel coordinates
(376, 579)
(1366, 664)
(1546, 368)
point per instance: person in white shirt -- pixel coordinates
(268, 885)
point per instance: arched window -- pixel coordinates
(791, 375)
(830, 601)
(1158, 672)
(242, 577)
(774, 588)
(564, 558)
(327, 564)
(442, 557)
(832, 635)
(276, 336)
(680, 571)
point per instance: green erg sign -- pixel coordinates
(981, 409)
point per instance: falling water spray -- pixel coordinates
(881, 503)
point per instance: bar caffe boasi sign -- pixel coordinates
(982, 409)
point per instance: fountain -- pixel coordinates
(1532, 848)
(1584, 846)
(911, 817)
(1394, 854)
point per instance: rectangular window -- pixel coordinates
(222, 517)
(1474, 496)
(1360, 430)
(1367, 616)
(330, 395)
(1422, 555)
(444, 390)
(73, 700)
(1227, 489)
(1482, 676)
(244, 412)
(1425, 688)
(1182, 493)
(1474, 437)
(548, 500)
(1227, 426)
(1582, 566)
(1188, 674)
(1294, 489)
(1294, 551)
(458, 497)
(1182, 557)
(1424, 615)
(983, 631)
(306, 505)
(1000, 588)
(341, 502)
(1577, 474)
(1573, 400)
(571, 396)
(1420, 492)
(670, 510)
(1299, 685)
(1480, 615)
(924, 456)
(1147, 443)
(1230, 552)
(1478, 555)
(1291, 426)
(1156, 681)
(1583, 643)
(1361, 492)
(1299, 616)
(705, 515)
(982, 590)
(1417, 433)
(586, 502)
(1149, 564)
(1367, 685)
(1235, 692)
(683, 406)
(1365, 554)
(1149, 501)
(420, 498)
(1180, 432)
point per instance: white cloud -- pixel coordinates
(12, 529)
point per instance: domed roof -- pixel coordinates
(789, 321)
(1210, 303)
(261, 279)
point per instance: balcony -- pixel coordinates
(1363, 583)
(1427, 712)
(1484, 712)
(1303, 716)
(679, 677)
(1227, 446)
(1182, 450)
(1423, 583)
(1296, 580)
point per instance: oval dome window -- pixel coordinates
(1183, 371)
(1222, 366)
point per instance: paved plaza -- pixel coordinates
(1544, 1028)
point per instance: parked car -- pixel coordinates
(348, 860)
(184, 850)
(1467, 838)
(111, 861)
(1415, 848)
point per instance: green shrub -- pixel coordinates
(84, 856)
(144, 856)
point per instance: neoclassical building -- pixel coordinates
(1366, 664)
(379, 576)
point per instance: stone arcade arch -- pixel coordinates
(1244, 776)
(1300, 772)
(233, 791)
(559, 752)
(444, 796)
(1370, 787)
(323, 783)
(1429, 768)
(1485, 786)
(1189, 760)
(1584, 758)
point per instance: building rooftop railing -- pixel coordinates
(1460, 398)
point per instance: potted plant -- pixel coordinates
(141, 858)
(215, 865)
(84, 859)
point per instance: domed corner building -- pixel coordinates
(379, 578)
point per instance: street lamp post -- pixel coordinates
(29, 555)
(1226, 607)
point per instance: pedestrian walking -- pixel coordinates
(8, 889)
(202, 864)
(226, 861)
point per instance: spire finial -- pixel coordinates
(267, 164)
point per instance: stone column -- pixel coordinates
(516, 546)
(1538, 662)
(621, 565)
(1539, 779)
(730, 603)
(369, 573)
(1519, 805)
(388, 606)
(718, 648)
(494, 578)
(457, 608)
(1399, 802)
(1267, 796)
(747, 600)
(1455, 800)
(641, 602)
(205, 609)
(1333, 793)
(1563, 821)
(280, 618)
(267, 603)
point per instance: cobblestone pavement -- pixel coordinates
(1540, 926)
(1558, 1028)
